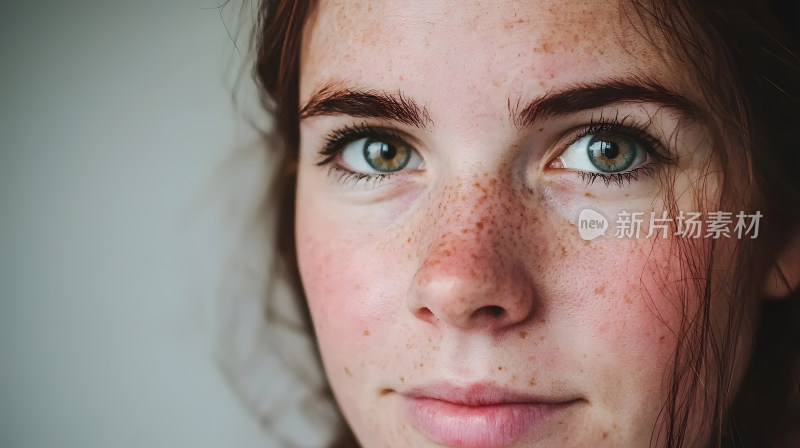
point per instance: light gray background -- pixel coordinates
(114, 122)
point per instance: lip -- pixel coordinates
(479, 415)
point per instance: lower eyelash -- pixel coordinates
(619, 178)
(344, 175)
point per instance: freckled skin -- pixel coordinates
(473, 270)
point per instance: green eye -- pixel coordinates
(385, 155)
(361, 153)
(605, 153)
(612, 154)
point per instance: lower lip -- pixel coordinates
(487, 426)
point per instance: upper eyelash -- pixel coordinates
(653, 148)
(622, 126)
(338, 138)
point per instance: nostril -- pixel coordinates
(494, 310)
(426, 314)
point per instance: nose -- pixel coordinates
(471, 275)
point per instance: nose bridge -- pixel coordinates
(470, 273)
(472, 218)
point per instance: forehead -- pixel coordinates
(474, 50)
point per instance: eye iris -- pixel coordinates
(383, 155)
(611, 153)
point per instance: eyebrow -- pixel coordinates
(334, 99)
(583, 97)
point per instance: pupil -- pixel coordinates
(388, 152)
(609, 150)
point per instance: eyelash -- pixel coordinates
(618, 178)
(633, 130)
(337, 139)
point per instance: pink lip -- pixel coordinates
(479, 415)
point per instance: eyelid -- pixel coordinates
(626, 126)
(336, 140)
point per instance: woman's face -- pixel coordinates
(447, 151)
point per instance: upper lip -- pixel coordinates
(480, 394)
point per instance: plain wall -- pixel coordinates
(114, 122)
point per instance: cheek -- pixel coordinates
(353, 284)
(628, 287)
(335, 288)
(355, 287)
(630, 304)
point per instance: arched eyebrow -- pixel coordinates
(334, 99)
(582, 97)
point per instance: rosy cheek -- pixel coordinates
(354, 287)
(335, 290)
(631, 313)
